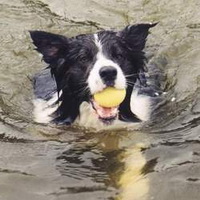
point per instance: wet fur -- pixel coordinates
(70, 63)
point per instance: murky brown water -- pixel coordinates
(159, 162)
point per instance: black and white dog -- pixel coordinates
(84, 65)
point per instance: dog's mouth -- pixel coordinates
(106, 115)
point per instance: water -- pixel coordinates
(160, 161)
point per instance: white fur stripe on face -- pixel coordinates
(94, 80)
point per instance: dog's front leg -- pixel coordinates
(68, 111)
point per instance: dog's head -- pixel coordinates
(87, 64)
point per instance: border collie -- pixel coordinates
(81, 66)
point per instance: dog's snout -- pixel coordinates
(108, 74)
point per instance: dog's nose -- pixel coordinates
(108, 74)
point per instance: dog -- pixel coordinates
(81, 66)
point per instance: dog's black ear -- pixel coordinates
(51, 46)
(135, 36)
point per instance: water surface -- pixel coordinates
(159, 161)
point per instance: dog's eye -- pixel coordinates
(118, 56)
(84, 59)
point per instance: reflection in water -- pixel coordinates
(130, 179)
(133, 183)
(109, 164)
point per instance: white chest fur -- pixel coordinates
(140, 106)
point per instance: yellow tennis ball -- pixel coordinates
(110, 97)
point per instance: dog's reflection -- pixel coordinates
(133, 183)
(116, 161)
(131, 179)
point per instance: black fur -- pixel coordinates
(71, 59)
